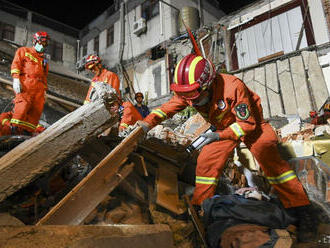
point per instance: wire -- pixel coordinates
(131, 44)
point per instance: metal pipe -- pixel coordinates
(161, 19)
(201, 43)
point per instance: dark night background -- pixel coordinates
(79, 13)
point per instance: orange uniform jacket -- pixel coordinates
(130, 115)
(32, 70)
(237, 114)
(106, 77)
(229, 102)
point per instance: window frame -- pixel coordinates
(110, 35)
(147, 6)
(263, 17)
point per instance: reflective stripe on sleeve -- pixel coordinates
(207, 180)
(15, 71)
(286, 176)
(160, 113)
(23, 123)
(124, 125)
(4, 121)
(237, 129)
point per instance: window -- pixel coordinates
(96, 44)
(84, 50)
(150, 9)
(55, 49)
(271, 34)
(110, 36)
(7, 31)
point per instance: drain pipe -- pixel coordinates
(122, 31)
(201, 43)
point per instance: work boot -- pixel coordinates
(307, 224)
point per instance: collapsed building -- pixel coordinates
(72, 175)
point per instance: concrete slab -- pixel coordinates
(315, 78)
(287, 89)
(300, 86)
(273, 91)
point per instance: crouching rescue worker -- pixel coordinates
(29, 70)
(127, 112)
(93, 63)
(236, 112)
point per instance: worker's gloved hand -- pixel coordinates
(209, 138)
(17, 86)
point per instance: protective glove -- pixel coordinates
(17, 86)
(209, 138)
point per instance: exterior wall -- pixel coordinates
(250, 18)
(159, 30)
(24, 32)
(319, 22)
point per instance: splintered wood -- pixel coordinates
(106, 176)
(39, 154)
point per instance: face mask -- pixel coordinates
(39, 48)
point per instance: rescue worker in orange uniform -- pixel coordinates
(29, 70)
(236, 112)
(129, 115)
(93, 63)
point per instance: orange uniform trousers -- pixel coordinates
(5, 123)
(263, 145)
(28, 109)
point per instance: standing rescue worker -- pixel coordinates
(236, 112)
(29, 70)
(143, 109)
(93, 63)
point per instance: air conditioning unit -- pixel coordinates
(139, 26)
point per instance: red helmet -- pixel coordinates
(92, 60)
(192, 75)
(40, 37)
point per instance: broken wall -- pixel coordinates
(292, 85)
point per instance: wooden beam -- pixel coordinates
(51, 97)
(76, 205)
(39, 154)
(167, 190)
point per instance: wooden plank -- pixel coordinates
(287, 89)
(315, 78)
(273, 91)
(137, 236)
(195, 219)
(260, 88)
(300, 86)
(41, 153)
(76, 205)
(167, 189)
(139, 162)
